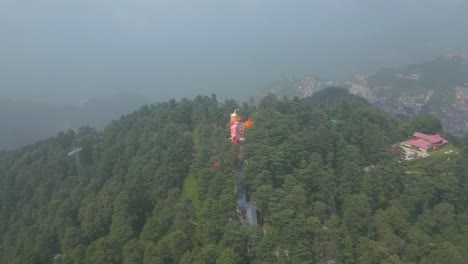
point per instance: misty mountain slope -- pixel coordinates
(25, 122)
(304, 169)
(438, 87)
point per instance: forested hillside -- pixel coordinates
(159, 186)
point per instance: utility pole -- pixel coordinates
(77, 161)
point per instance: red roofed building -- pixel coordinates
(424, 141)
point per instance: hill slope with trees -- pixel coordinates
(158, 186)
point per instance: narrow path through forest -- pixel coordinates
(246, 210)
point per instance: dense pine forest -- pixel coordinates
(159, 186)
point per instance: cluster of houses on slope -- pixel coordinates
(453, 119)
(418, 146)
(414, 76)
(308, 86)
(461, 97)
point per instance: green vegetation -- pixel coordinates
(423, 123)
(158, 187)
(445, 156)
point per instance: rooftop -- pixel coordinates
(420, 143)
(424, 141)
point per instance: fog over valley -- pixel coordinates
(24, 122)
(70, 51)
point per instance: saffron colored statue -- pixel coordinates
(237, 128)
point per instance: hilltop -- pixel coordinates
(159, 186)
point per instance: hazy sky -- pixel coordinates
(70, 50)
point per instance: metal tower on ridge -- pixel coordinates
(77, 161)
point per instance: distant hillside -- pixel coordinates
(23, 122)
(438, 87)
(160, 185)
(291, 86)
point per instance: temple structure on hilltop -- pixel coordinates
(418, 146)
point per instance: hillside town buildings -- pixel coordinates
(461, 97)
